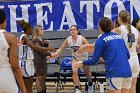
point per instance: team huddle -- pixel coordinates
(117, 46)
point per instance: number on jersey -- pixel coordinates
(131, 39)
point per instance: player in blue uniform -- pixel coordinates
(112, 48)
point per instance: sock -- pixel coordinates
(90, 83)
(77, 87)
(44, 91)
(39, 92)
(89, 79)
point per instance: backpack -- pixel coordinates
(53, 61)
(66, 65)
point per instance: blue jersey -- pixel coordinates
(112, 48)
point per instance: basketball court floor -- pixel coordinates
(67, 88)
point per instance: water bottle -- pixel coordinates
(101, 87)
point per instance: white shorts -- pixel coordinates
(119, 83)
(7, 81)
(28, 68)
(134, 64)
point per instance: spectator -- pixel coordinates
(40, 60)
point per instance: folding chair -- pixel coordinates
(54, 72)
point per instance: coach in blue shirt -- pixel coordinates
(112, 48)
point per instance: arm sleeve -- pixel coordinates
(96, 55)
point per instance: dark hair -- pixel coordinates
(77, 29)
(2, 16)
(116, 23)
(135, 21)
(105, 24)
(24, 25)
(125, 16)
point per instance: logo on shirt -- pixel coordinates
(112, 37)
(75, 48)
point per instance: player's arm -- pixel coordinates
(86, 47)
(38, 43)
(84, 40)
(139, 39)
(13, 57)
(34, 47)
(63, 46)
(96, 55)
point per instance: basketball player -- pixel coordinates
(112, 48)
(75, 41)
(26, 54)
(131, 38)
(9, 69)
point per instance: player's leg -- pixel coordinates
(75, 78)
(126, 85)
(89, 78)
(114, 85)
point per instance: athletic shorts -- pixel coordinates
(28, 68)
(7, 81)
(118, 83)
(134, 64)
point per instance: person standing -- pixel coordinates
(26, 54)
(10, 73)
(40, 60)
(136, 24)
(74, 41)
(111, 47)
(132, 38)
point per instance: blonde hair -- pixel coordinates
(36, 31)
(125, 16)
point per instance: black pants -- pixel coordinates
(138, 85)
(138, 79)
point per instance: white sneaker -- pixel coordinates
(77, 91)
(90, 89)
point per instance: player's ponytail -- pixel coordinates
(124, 15)
(24, 25)
(129, 29)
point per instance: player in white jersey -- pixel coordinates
(75, 41)
(136, 23)
(9, 69)
(26, 55)
(131, 38)
(75, 46)
(26, 59)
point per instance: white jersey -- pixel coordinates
(124, 34)
(75, 46)
(7, 79)
(26, 59)
(25, 52)
(4, 60)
